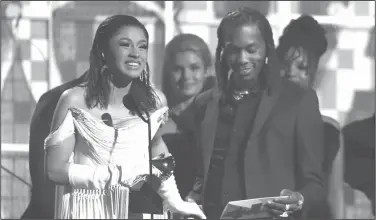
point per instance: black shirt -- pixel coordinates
(226, 171)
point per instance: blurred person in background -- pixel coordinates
(359, 141)
(300, 48)
(91, 121)
(359, 167)
(186, 73)
(258, 134)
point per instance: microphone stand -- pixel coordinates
(147, 120)
(129, 103)
(150, 153)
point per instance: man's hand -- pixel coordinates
(283, 207)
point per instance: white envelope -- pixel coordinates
(247, 209)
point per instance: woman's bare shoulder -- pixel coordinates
(74, 96)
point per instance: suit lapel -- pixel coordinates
(268, 100)
(209, 124)
(208, 130)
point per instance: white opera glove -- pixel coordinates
(88, 177)
(173, 201)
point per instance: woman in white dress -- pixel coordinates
(98, 149)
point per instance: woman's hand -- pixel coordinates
(190, 209)
(283, 207)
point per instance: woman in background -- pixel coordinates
(97, 149)
(186, 73)
(300, 48)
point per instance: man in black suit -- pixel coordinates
(43, 191)
(359, 167)
(258, 135)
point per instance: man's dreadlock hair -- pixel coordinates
(239, 17)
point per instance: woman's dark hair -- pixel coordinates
(303, 33)
(233, 20)
(98, 87)
(180, 43)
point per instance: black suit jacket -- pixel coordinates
(285, 147)
(324, 209)
(359, 169)
(43, 191)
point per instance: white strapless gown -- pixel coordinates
(98, 144)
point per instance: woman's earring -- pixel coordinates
(266, 60)
(142, 75)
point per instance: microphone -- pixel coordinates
(129, 103)
(107, 119)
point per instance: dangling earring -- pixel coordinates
(142, 76)
(266, 60)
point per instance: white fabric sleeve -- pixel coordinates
(65, 130)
